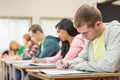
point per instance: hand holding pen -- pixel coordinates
(35, 60)
(61, 64)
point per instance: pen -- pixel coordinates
(61, 60)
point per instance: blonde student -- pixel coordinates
(12, 52)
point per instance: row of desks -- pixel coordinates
(95, 76)
(24, 65)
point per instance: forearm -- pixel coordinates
(98, 67)
(42, 60)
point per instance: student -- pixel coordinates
(12, 53)
(48, 45)
(26, 39)
(31, 47)
(30, 51)
(5, 54)
(101, 52)
(70, 46)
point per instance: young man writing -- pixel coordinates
(101, 52)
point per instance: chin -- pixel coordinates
(62, 39)
(90, 39)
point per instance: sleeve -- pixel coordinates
(76, 48)
(28, 54)
(82, 57)
(50, 48)
(54, 58)
(110, 63)
(21, 50)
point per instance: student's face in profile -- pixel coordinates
(62, 34)
(88, 33)
(34, 36)
(14, 47)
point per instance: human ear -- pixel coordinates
(97, 24)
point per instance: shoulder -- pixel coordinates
(22, 48)
(79, 36)
(112, 32)
(113, 27)
(51, 39)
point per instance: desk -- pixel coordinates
(74, 76)
(23, 67)
(7, 67)
(3, 69)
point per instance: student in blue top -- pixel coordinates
(48, 45)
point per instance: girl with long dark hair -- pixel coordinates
(72, 43)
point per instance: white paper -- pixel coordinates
(42, 64)
(61, 71)
(33, 70)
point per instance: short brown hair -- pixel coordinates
(87, 14)
(35, 27)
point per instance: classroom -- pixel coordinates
(17, 21)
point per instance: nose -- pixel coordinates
(84, 35)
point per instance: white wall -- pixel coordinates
(41, 8)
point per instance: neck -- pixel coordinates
(42, 37)
(70, 39)
(102, 29)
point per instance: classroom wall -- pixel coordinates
(41, 8)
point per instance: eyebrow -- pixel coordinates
(84, 32)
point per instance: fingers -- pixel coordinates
(58, 65)
(72, 66)
(63, 65)
(35, 60)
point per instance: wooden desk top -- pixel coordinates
(17, 61)
(73, 76)
(27, 66)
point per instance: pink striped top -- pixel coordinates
(75, 49)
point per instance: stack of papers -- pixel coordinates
(61, 71)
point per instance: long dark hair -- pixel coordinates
(67, 25)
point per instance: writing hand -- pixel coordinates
(35, 60)
(62, 64)
(72, 66)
